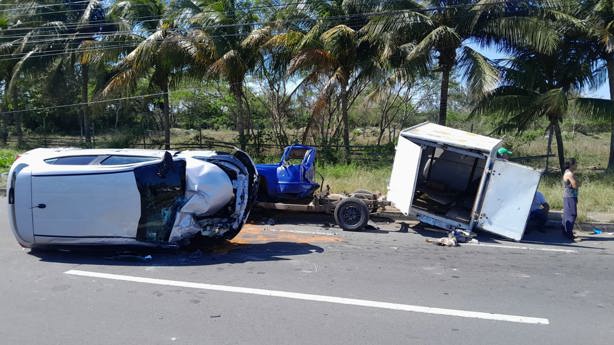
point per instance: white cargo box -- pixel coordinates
(453, 179)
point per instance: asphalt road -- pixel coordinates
(299, 283)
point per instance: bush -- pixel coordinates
(7, 157)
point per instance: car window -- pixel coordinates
(119, 160)
(72, 160)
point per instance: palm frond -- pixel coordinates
(257, 38)
(441, 37)
(92, 5)
(17, 70)
(319, 58)
(481, 74)
(514, 32)
(593, 107)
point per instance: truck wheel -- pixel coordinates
(351, 214)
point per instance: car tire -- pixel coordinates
(351, 214)
(229, 235)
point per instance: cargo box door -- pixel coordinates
(404, 174)
(507, 200)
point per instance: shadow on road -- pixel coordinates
(195, 255)
(316, 220)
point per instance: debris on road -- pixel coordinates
(444, 241)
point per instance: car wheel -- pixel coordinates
(351, 214)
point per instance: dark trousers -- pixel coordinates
(537, 219)
(570, 212)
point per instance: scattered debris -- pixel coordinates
(444, 241)
(454, 238)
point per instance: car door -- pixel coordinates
(85, 204)
(507, 199)
(404, 174)
(94, 202)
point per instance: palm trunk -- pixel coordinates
(4, 133)
(18, 120)
(559, 145)
(237, 92)
(443, 98)
(549, 148)
(346, 124)
(610, 63)
(166, 118)
(85, 100)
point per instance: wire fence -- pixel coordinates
(329, 153)
(363, 154)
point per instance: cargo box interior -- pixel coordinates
(448, 182)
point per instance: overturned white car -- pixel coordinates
(452, 179)
(128, 196)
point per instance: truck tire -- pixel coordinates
(351, 214)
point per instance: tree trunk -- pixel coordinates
(559, 145)
(237, 92)
(85, 100)
(346, 124)
(18, 119)
(549, 147)
(610, 63)
(4, 133)
(443, 98)
(166, 118)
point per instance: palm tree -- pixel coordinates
(545, 86)
(235, 42)
(164, 57)
(26, 45)
(445, 29)
(85, 20)
(599, 29)
(331, 49)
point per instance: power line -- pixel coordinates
(92, 102)
(287, 5)
(43, 5)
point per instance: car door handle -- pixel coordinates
(40, 206)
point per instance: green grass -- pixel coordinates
(6, 159)
(348, 178)
(596, 193)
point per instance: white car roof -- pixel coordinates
(45, 153)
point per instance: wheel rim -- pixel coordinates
(350, 215)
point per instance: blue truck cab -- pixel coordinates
(292, 179)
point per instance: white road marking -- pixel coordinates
(317, 298)
(558, 250)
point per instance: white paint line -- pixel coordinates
(558, 250)
(317, 298)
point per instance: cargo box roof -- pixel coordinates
(449, 136)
